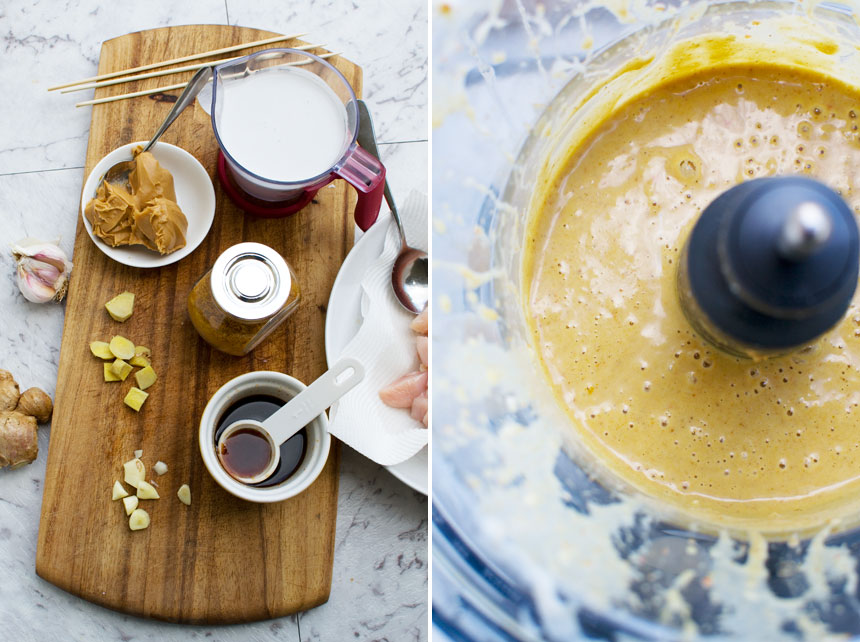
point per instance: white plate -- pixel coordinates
(343, 319)
(195, 196)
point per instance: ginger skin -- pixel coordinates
(19, 414)
(9, 391)
(36, 403)
(19, 443)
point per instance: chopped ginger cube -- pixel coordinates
(121, 306)
(101, 350)
(109, 375)
(141, 356)
(121, 348)
(121, 369)
(145, 378)
(135, 398)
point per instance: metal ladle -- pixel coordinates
(409, 276)
(118, 173)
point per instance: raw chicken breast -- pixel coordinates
(422, 344)
(419, 408)
(402, 393)
(419, 324)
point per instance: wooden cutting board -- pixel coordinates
(221, 559)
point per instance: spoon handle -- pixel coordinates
(367, 139)
(198, 80)
(313, 400)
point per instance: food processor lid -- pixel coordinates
(251, 281)
(773, 262)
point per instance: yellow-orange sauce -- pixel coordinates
(730, 440)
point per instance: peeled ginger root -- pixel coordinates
(19, 442)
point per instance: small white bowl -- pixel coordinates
(275, 384)
(195, 195)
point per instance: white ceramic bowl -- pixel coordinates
(283, 387)
(195, 196)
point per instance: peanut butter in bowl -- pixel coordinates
(160, 217)
(144, 214)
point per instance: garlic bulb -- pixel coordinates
(43, 270)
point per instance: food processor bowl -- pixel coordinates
(530, 540)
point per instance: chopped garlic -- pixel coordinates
(130, 503)
(184, 494)
(135, 472)
(160, 468)
(118, 491)
(145, 490)
(139, 519)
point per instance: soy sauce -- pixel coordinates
(245, 453)
(260, 408)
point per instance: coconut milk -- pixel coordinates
(283, 125)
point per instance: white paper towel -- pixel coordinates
(385, 346)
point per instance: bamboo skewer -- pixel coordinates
(164, 63)
(157, 90)
(163, 72)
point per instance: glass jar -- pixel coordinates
(248, 292)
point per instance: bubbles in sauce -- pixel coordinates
(657, 404)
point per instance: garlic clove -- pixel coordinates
(33, 288)
(43, 270)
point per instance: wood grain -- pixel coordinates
(221, 559)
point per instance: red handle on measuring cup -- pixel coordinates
(367, 175)
(368, 204)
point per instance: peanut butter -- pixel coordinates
(145, 214)
(717, 436)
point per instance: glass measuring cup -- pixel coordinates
(286, 122)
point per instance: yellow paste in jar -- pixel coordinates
(773, 444)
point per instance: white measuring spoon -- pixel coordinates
(297, 413)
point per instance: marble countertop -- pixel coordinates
(380, 581)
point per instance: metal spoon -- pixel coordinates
(409, 276)
(118, 173)
(297, 413)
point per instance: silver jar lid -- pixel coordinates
(250, 281)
